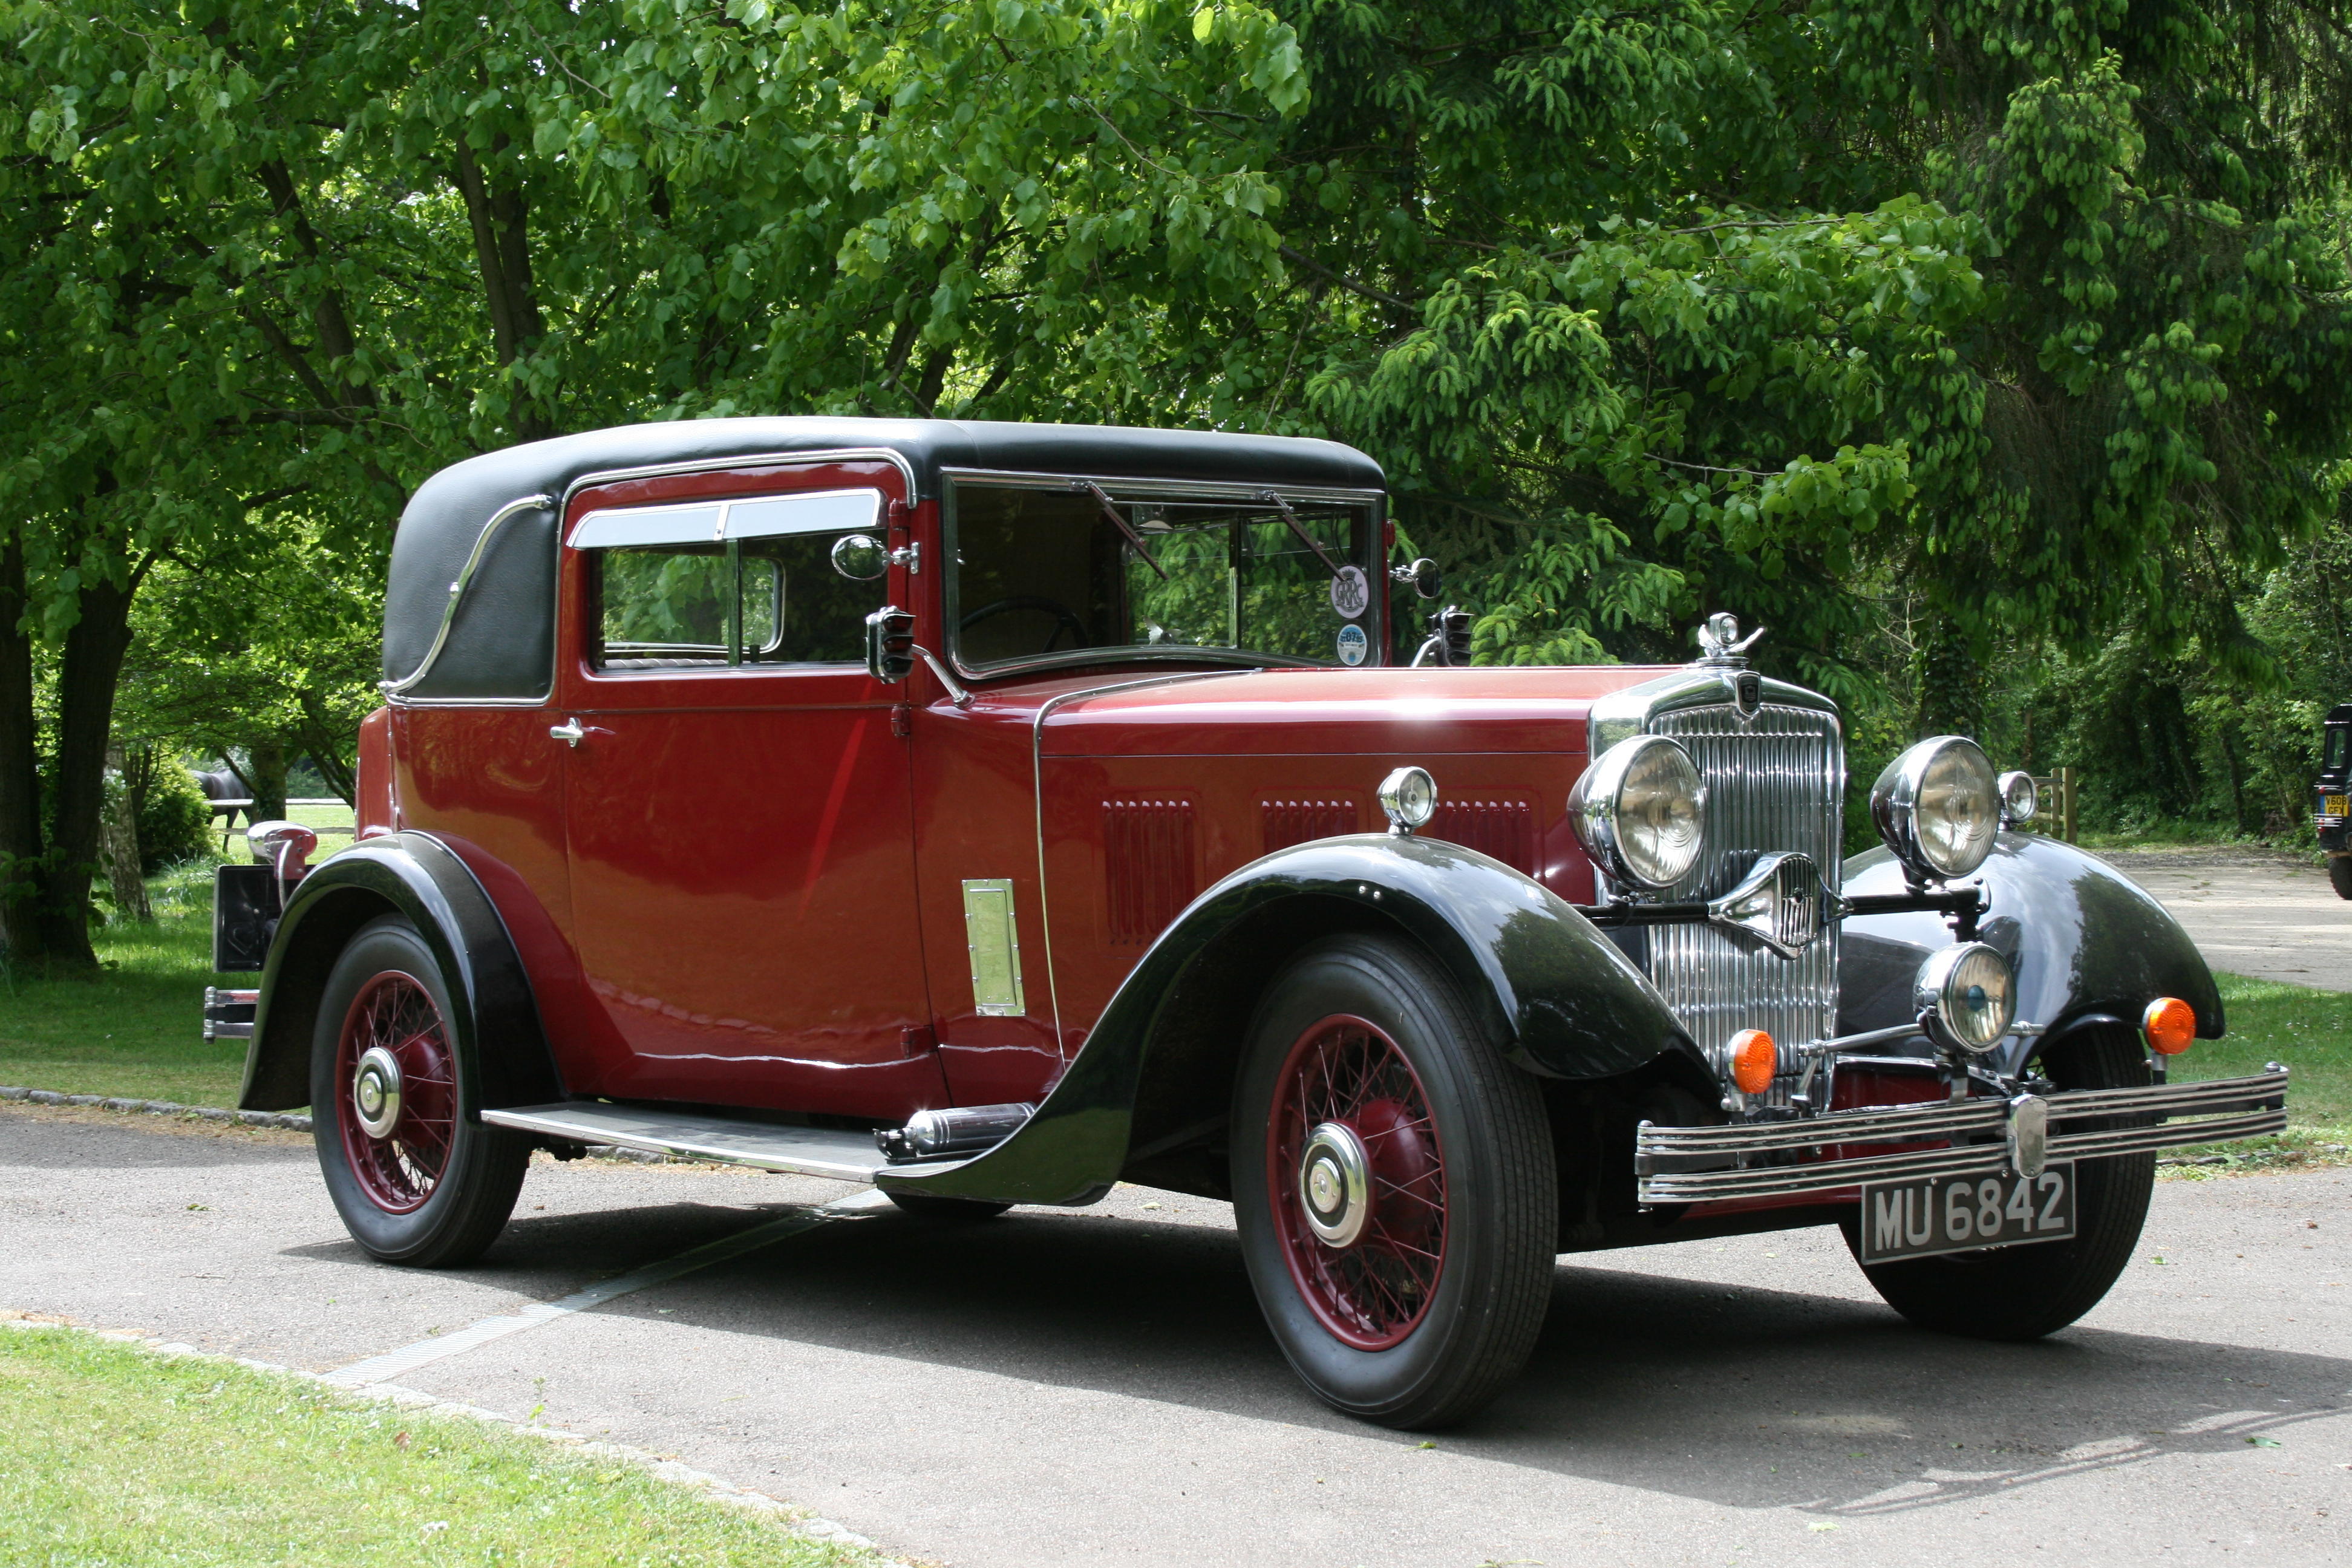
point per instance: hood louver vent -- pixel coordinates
(1150, 866)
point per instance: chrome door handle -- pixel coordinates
(571, 732)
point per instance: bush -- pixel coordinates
(175, 821)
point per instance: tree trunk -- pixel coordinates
(265, 770)
(20, 769)
(118, 847)
(85, 683)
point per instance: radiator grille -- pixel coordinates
(1290, 822)
(1151, 868)
(1505, 829)
(1774, 781)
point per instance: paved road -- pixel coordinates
(1095, 1387)
(2273, 916)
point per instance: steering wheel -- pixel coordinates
(1064, 618)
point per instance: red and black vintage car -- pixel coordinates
(995, 813)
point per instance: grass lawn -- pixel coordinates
(112, 1454)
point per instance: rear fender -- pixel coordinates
(1156, 1072)
(501, 1046)
(2086, 940)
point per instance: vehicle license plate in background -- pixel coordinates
(1959, 1214)
(2336, 805)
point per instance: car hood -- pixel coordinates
(1531, 709)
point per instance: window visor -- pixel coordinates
(715, 522)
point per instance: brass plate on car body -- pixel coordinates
(1962, 1213)
(995, 942)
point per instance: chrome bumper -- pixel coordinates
(1788, 1158)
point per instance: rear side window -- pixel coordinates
(727, 583)
(2338, 737)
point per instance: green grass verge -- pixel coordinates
(2311, 1032)
(135, 1027)
(112, 1454)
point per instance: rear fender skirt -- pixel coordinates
(2086, 940)
(1156, 1071)
(501, 1046)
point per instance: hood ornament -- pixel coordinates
(1719, 641)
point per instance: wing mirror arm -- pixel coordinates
(891, 651)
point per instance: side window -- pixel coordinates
(729, 583)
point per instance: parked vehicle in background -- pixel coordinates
(996, 812)
(2332, 797)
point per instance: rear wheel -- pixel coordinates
(2339, 875)
(414, 1179)
(2025, 1293)
(1394, 1186)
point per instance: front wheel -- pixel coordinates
(416, 1180)
(1394, 1186)
(2339, 875)
(2025, 1293)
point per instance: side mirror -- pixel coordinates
(890, 644)
(860, 557)
(1427, 581)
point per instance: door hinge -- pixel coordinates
(921, 1040)
(902, 721)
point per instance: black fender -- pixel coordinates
(501, 1046)
(1156, 1071)
(2088, 942)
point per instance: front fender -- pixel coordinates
(500, 1045)
(2085, 939)
(1157, 1069)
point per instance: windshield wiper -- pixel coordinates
(1120, 523)
(1299, 528)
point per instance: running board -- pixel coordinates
(840, 1154)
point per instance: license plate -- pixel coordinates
(2336, 805)
(1961, 1213)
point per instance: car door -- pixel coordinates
(736, 789)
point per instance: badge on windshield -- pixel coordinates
(1353, 644)
(1351, 594)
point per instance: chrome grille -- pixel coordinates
(1773, 781)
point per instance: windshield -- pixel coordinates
(1046, 573)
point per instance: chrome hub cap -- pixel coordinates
(375, 1092)
(1335, 1184)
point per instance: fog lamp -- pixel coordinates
(1640, 811)
(2169, 1024)
(2019, 798)
(1409, 795)
(1754, 1059)
(1967, 996)
(1937, 808)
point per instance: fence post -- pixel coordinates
(2066, 804)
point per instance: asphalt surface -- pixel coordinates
(2271, 917)
(1096, 1387)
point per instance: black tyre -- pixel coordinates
(953, 1211)
(2339, 875)
(416, 1181)
(1394, 1186)
(2025, 1293)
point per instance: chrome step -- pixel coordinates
(842, 1154)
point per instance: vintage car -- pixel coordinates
(997, 813)
(2332, 797)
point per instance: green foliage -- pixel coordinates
(174, 819)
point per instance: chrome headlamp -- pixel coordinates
(1966, 995)
(1640, 811)
(1937, 808)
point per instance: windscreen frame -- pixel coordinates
(1129, 489)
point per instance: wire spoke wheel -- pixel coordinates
(1356, 1177)
(400, 1160)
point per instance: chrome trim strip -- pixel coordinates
(2237, 1108)
(457, 590)
(1037, 785)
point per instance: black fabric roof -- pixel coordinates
(501, 645)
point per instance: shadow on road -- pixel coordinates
(1740, 1397)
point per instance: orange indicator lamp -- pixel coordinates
(1754, 1058)
(2169, 1024)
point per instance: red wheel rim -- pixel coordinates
(1373, 1291)
(398, 1169)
